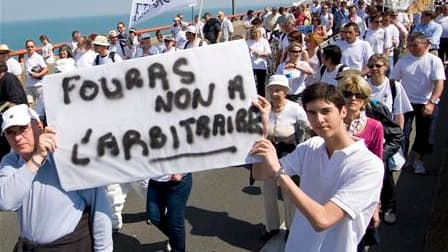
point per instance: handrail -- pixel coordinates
(21, 53)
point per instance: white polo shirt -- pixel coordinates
(417, 75)
(351, 178)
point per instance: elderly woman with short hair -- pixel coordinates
(286, 128)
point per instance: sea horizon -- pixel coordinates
(15, 33)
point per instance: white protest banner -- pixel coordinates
(178, 112)
(143, 10)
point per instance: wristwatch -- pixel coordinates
(434, 101)
(280, 171)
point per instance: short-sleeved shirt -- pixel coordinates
(383, 93)
(355, 55)
(36, 60)
(417, 75)
(296, 78)
(351, 178)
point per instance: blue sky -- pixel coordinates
(14, 10)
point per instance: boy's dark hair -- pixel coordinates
(332, 52)
(319, 90)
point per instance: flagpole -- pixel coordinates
(200, 15)
(233, 7)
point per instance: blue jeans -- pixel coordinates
(165, 208)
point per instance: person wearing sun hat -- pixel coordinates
(286, 129)
(192, 39)
(14, 66)
(48, 216)
(101, 45)
(170, 44)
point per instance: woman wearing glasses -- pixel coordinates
(391, 93)
(356, 92)
(296, 70)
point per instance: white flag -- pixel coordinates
(145, 9)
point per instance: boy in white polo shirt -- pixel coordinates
(340, 178)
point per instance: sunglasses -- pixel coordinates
(295, 51)
(377, 22)
(375, 65)
(349, 94)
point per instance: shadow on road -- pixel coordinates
(218, 224)
(134, 217)
(126, 243)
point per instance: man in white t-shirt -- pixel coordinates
(422, 75)
(226, 27)
(35, 69)
(355, 52)
(340, 178)
(331, 65)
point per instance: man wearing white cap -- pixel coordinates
(104, 55)
(50, 219)
(13, 65)
(192, 39)
(115, 44)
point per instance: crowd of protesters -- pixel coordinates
(343, 80)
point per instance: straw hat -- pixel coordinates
(4, 47)
(101, 41)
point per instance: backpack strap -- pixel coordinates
(186, 44)
(341, 67)
(393, 89)
(112, 56)
(322, 70)
(97, 60)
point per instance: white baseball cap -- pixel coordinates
(191, 29)
(18, 115)
(278, 80)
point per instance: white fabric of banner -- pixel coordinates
(143, 10)
(178, 112)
